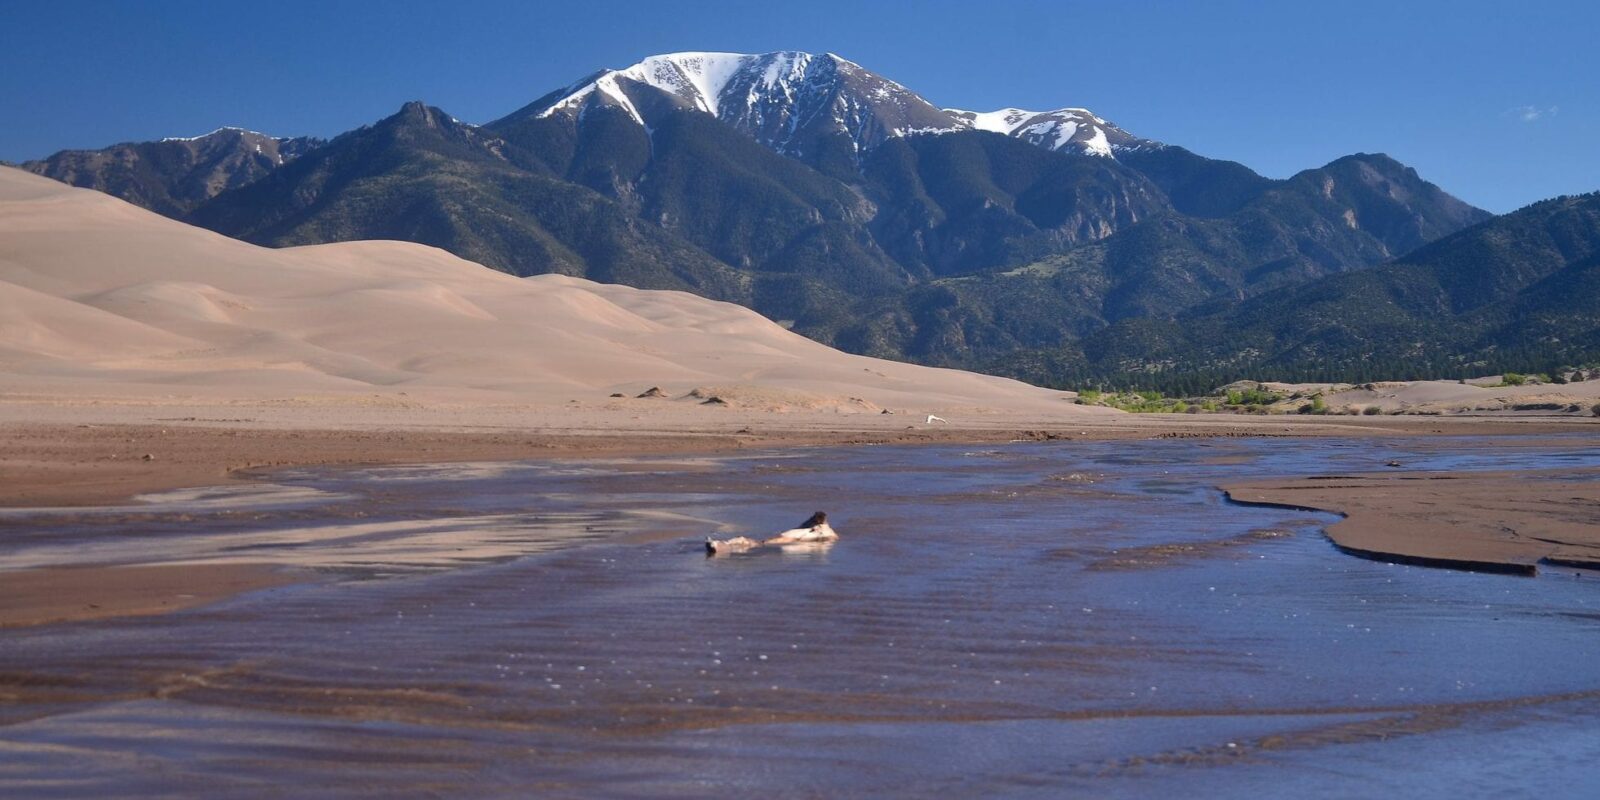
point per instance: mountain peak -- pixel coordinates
(417, 114)
(174, 175)
(1070, 129)
(419, 111)
(788, 100)
(792, 101)
(224, 131)
(699, 78)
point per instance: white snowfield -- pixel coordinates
(1052, 130)
(789, 90)
(704, 81)
(699, 78)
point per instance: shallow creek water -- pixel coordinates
(1051, 619)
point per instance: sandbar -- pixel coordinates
(75, 594)
(1495, 522)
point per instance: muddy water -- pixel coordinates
(1028, 620)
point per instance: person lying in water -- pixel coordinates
(815, 529)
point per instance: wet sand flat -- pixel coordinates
(48, 596)
(100, 462)
(1510, 521)
(100, 455)
(1031, 619)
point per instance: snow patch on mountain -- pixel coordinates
(791, 101)
(697, 78)
(1097, 143)
(1008, 120)
(604, 86)
(1075, 129)
(223, 129)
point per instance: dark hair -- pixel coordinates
(819, 518)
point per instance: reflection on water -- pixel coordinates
(255, 496)
(1034, 620)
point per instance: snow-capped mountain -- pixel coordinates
(786, 100)
(789, 101)
(1070, 129)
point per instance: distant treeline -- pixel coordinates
(1181, 382)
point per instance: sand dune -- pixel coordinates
(98, 295)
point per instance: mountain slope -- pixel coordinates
(973, 201)
(422, 176)
(173, 176)
(1346, 216)
(1518, 292)
(1196, 185)
(714, 186)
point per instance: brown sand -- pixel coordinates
(1500, 522)
(42, 596)
(100, 462)
(1483, 396)
(60, 464)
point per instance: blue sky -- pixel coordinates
(1499, 103)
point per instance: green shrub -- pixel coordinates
(1513, 379)
(1371, 411)
(1252, 397)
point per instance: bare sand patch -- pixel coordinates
(1475, 397)
(75, 594)
(1501, 522)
